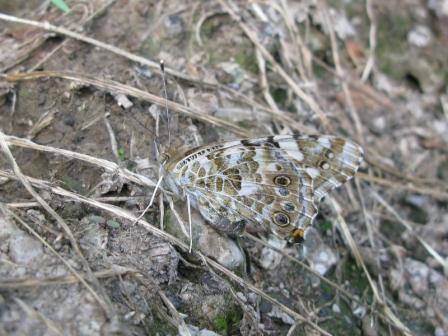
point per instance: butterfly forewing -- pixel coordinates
(274, 181)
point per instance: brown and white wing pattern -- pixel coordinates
(273, 181)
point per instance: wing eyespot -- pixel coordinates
(329, 154)
(324, 165)
(281, 219)
(282, 180)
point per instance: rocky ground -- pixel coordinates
(80, 101)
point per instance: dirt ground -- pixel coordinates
(83, 109)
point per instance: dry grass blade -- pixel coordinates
(71, 269)
(437, 194)
(112, 138)
(66, 32)
(94, 15)
(35, 314)
(103, 299)
(105, 164)
(372, 41)
(45, 120)
(183, 328)
(116, 87)
(119, 212)
(156, 67)
(306, 268)
(264, 81)
(340, 72)
(303, 56)
(23, 142)
(62, 280)
(443, 262)
(309, 100)
(359, 260)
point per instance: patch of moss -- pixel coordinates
(416, 211)
(151, 47)
(355, 9)
(247, 60)
(227, 324)
(70, 183)
(121, 154)
(419, 215)
(158, 327)
(356, 277)
(442, 171)
(339, 323)
(392, 230)
(113, 224)
(318, 71)
(276, 50)
(221, 49)
(325, 225)
(392, 43)
(280, 95)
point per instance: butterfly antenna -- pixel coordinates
(189, 223)
(151, 201)
(162, 68)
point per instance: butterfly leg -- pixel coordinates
(245, 266)
(237, 228)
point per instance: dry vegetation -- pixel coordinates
(81, 95)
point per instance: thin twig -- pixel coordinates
(152, 199)
(66, 32)
(103, 300)
(61, 280)
(341, 73)
(443, 262)
(359, 260)
(117, 87)
(372, 42)
(189, 224)
(112, 138)
(119, 212)
(437, 194)
(53, 329)
(309, 100)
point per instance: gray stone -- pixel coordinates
(269, 258)
(420, 36)
(205, 238)
(23, 249)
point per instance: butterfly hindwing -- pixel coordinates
(277, 207)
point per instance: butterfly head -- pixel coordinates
(164, 158)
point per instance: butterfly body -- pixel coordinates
(275, 181)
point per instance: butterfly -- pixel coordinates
(275, 181)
